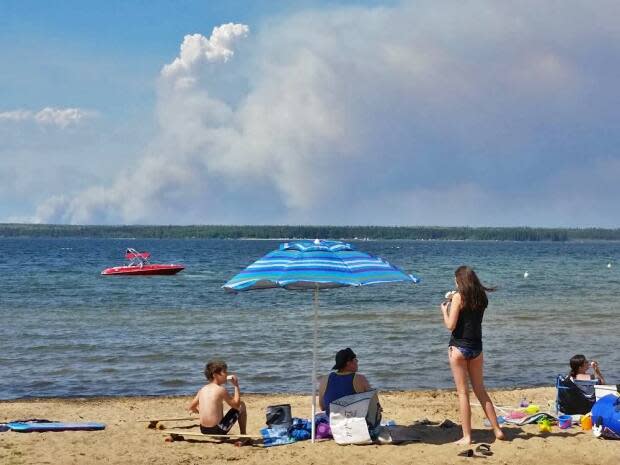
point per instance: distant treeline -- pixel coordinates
(309, 232)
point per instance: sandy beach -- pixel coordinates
(126, 440)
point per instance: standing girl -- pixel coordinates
(463, 316)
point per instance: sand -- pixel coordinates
(128, 441)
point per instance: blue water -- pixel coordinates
(68, 331)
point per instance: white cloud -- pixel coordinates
(16, 115)
(196, 50)
(407, 115)
(48, 116)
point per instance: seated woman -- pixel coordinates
(344, 381)
(576, 393)
(585, 381)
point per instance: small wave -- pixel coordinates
(174, 383)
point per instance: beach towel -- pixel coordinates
(276, 436)
(529, 419)
(396, 434)
(301, 429)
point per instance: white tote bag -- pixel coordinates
(347, 417)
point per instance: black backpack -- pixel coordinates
(571, 399)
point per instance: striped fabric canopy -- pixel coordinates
(315, 265)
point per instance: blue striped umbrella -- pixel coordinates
(316, 265)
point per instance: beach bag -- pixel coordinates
(350, 417)
(571, 399)
(279, 415)
(606, 417)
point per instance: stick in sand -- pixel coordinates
(175, 435)
(152, 424)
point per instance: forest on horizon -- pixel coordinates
(309, 232)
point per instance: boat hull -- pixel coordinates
(142, 270)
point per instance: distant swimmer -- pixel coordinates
(525, 275)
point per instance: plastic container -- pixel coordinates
(565, 421)
(586, 422)
(601, 390)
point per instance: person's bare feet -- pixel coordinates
(464, 441)
(243, 442)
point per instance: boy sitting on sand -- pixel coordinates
(209, 401)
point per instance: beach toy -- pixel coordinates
(544, 425)
(565, 421)
(524, 402)
(606, 414)
(586, 422)
(532, 409)
(515, 415)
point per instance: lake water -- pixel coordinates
(68, 331)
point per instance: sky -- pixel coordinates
(339, 112)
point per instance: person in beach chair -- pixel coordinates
(342, 382)
(576, 394)
(209, 402)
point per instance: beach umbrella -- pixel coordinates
(316, 265)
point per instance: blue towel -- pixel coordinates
(301, 429)
(300, 434)
(276, 436)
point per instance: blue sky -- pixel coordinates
(310, 112)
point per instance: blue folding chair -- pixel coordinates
(570, 399)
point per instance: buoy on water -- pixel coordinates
(525, 275)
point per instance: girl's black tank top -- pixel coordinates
(468, 331)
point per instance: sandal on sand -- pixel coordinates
(466, 453)
(484, 449)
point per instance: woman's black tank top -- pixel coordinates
(468, 331)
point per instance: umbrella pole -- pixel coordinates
(314, 350)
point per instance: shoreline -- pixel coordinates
(126, 440)
(249, 393)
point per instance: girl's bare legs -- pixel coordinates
(458, 365)
(475, 368)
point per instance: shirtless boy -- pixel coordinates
(209, 402)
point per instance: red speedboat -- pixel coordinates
(139, 265)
